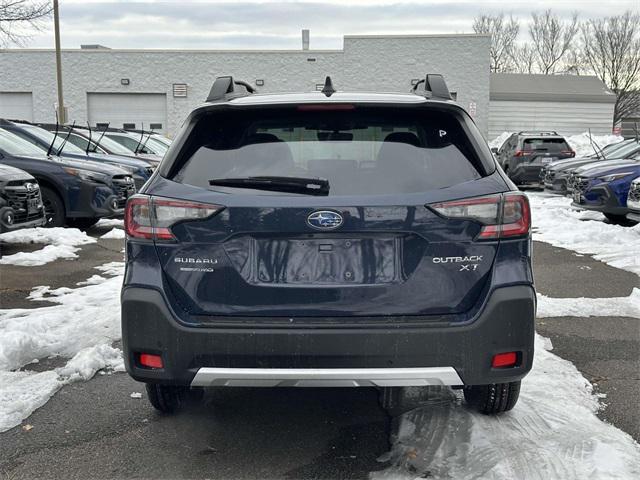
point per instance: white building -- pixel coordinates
(569, 104)
(160, 87)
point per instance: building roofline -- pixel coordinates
(434, 35)
(159, 50)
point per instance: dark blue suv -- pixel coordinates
(329, 239)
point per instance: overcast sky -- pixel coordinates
(276, 24)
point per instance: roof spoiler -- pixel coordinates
(225, 87)
(435, 86)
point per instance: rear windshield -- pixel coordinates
(362, 151)
(546, 144)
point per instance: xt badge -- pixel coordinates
(468, 268)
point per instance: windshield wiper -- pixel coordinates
(309, 186)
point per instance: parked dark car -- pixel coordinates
(329, 239)
(633, 201)
(555, 176)
(524, 154)
(140, 170)
(74, 192)
(20, 201)
(606, 188)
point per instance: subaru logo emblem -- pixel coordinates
(324, 220)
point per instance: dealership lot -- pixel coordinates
(98, 428)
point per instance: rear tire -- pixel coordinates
(166, 398)
(82, 223)
(494, 398)
(53, 207)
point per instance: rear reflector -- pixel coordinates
(502, 216)
(150, 361)
(502, 360)
(151, 218)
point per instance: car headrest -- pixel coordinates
(403, 137)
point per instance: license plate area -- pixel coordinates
(33, 205)
(327, 261)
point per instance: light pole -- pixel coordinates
(56, 25)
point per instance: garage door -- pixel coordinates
(16, 105)
(128, 110)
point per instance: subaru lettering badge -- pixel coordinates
(324, 220)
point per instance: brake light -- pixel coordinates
(151, 218)
(570, 153)
(502, 216)
(523, 153)
(323, 107)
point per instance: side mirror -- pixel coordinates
(494, 150)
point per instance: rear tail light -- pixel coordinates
(523, 153)
(151, 218)
(502, 216)
(569, 153)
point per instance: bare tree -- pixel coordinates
(523, 59)
(611, 48)
(552, 39)
(15, 15)
(503, 36)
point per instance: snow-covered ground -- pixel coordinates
(59, 243)
(553, 433)
(581, 144)
(555, 222)
(81, 327)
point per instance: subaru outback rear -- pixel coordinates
(329, 239)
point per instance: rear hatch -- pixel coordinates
(544, 150)
(321, 212)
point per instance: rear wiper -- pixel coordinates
(310, 186)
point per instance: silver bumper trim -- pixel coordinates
(325, 377)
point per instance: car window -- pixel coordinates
(359, 152)
(15, 145)
(552, 145)
(47, 137)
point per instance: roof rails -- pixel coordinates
(223, 88)
(434, 86)
(541, 133)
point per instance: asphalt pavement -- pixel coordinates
(95, 429)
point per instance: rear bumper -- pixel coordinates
(526, 173)
(446, 355)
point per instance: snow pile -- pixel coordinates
(590, 307)
(556, 223)
(500, 139)
(110, 222)
(579, 143)
(582, 145)
(23, 392)
(114, 233)
(552, 433)
(60, 243)
(81, 326)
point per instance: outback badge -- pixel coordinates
(325, 220)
